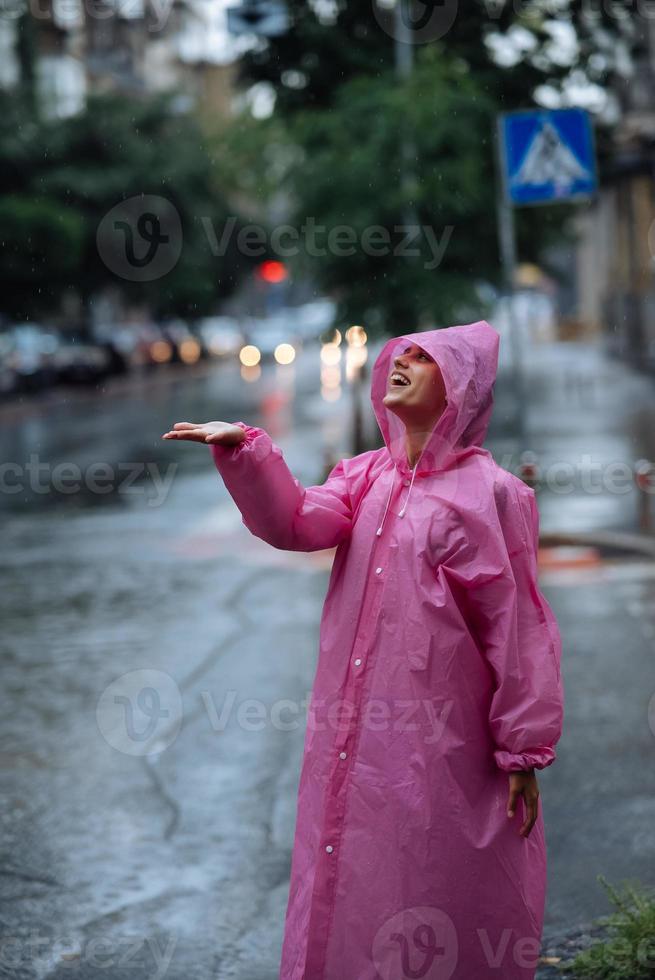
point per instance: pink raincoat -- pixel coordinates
(438, 673)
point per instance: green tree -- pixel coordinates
(331, 43)
(340, 113)
(60, 177)
(391, 271)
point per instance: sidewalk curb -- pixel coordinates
(567, 945)
(610, 543)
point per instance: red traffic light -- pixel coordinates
(272, 271)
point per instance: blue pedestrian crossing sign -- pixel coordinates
(547, 155)
(267, 18)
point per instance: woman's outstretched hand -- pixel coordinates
(524, 784)
(221, 433)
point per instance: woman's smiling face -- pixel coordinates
(415, 387)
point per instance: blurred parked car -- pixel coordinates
(8, 379)
(77, 361)
(145, 345)
(152, 347)
(221, 335)
(138, 344)
(117, 361)
(314, 318)
(121, 338)
(270, 333)
(29, 356)
(185, 346)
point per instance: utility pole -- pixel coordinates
(543, 156)
(403, 48)
(404, 61)
(507, 243)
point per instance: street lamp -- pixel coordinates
(356, 356)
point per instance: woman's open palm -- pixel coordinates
(222, 433)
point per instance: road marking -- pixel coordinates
(633, 571)
(569, 556)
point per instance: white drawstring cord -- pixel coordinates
(393, 477)
(404, 507)
(402, 512)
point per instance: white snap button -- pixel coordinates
(357, 662)
(378, 570)
(342, 755)
(329, 848)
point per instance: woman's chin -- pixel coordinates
(394, 402)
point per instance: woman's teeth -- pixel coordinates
(398, 379)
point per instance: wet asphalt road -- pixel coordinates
(156, 661)
(173, 863)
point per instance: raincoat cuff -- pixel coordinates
(536, 758)
(255, 438)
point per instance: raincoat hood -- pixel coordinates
(468, 358)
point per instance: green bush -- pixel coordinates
(628, 953)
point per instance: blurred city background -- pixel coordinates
(220, 210)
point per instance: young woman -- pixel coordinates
(419, 845)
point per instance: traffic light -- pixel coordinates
(271, 271)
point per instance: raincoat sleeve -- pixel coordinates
(273, 503)
(522, 642)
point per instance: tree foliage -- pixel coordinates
(342, 114)
(60, 177)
